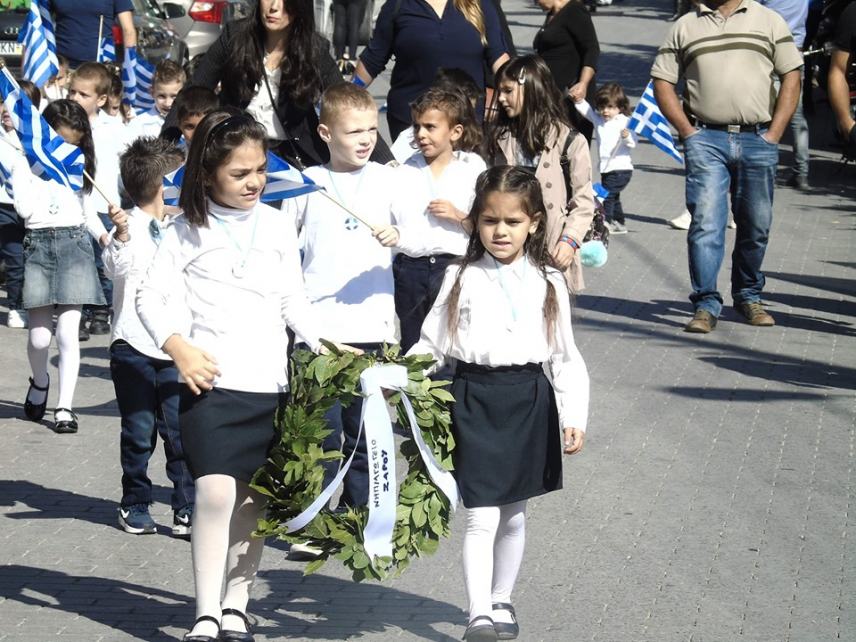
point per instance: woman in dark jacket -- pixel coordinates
(274, 65)
(568, 44)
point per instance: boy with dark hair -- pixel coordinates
(192, 105)
(144, 377)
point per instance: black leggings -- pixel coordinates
(348, 16)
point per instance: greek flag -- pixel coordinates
(648, 120)
(600, 192)
(39, 62)
(48, 155)
(283, 181)
(106, 50)
(137, 76)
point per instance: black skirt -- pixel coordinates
(227, 432)
(507, 436)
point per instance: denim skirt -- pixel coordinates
(59, 268)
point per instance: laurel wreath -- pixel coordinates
(292, 478)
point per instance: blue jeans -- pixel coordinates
(147, 394)
(12, 251)
(106, 283)
(744, 165)
(799, 132)
(615, 182)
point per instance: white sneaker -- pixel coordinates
(17, 319)
(304, 552)
(682, 222)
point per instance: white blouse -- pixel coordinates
(44, 204)
(422, 233)
(263, 110)
(242, 285)
(501, 323)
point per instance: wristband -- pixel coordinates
(356, 80)
(567, 239)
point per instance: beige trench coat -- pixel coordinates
(574, 218)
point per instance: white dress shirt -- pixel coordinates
(501, 323)
(422, 233)
(348, 274)
(145, 123)
(614, 150)
(126, 264)
(46, 204)
(111, 138)
(262, 109)
(242, 285)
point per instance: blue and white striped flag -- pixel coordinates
(137, 75)
(283, 181)
(106, 50)
(39, 62)
(648, 120)
(48, 155)
(600, 192)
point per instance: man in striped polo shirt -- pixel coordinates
(728, 53)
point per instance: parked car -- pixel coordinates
(199, 24)
(11, 22)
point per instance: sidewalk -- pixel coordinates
(713, 501)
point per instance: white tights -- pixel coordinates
(493, 550)
(225, 515)
(67, 325)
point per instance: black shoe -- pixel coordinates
(505, 630)
(237, 636)
(203, 638)
(35, 412)
(481, 629)
(66, 426)
(100, 323)
(83, 331)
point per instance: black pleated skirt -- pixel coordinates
(227, 432)
(506, 426)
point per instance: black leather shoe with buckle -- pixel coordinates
(65, 426)
(34, 411)
(227, 635)
(506, 630)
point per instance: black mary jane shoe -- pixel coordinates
(203, 638)
(506, 630)
(35, 412)
(227, 635)
(481, 629)
(66, 426)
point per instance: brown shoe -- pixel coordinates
(702, 322)
(755, 314)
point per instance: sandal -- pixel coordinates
(35, 412)
(66, 426)
(481, 629)
(227, 635)
(506, 630)
(203, 638)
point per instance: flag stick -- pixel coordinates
(325, 193)
(98, 189)
(100, 32)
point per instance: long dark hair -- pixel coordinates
(541, 112)
(300, 79)
(67, 113)
(508, 179)
(216, 137)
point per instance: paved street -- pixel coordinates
(714, 500)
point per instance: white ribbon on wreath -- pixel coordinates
(383, 489)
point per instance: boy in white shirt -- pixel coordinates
(90, 88)
(144, 377)
(347, 273)
(167, 81)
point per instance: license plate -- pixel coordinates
(11, 48)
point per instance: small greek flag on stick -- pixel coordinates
(648, 120)
(137, 76)
(283, 181)
(39, 62)
(106, 50)
(48, 155)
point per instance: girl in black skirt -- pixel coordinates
(234, 263)
(503, 313)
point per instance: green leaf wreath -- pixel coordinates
(292, 478)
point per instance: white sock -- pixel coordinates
(507, 555)
(38, 345)
(482, 524)
(67, 326)
(209, 543)
(245, 553)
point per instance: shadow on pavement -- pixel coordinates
(142, 610)
(827, 283)
(751, 395)
(53, 503)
